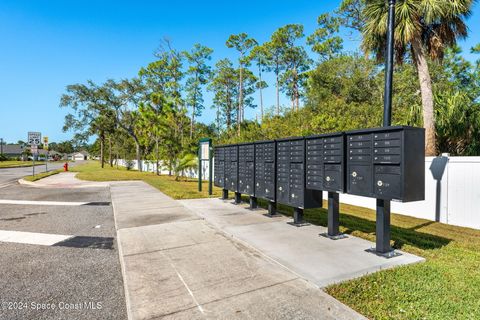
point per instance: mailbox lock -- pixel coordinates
(354, 174)
(293, 195)
(266, 190)
(328, 178)
(258, 184)
(280, 188)
(379, 183)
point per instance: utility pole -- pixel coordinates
(1, 146)
(383, 206)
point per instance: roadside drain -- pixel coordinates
(87, 242)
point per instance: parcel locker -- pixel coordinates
(325, 162)
(246, 168)
(265, 170)
(219, 167)
(291, 189)
(231, 168)
(387, 163)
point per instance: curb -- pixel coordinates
(122, 262)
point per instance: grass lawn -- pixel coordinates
(176, 189)
(446, 286)
(42, 175)
(17, 164)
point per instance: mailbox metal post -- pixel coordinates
(333, 218)
(383, 206)
(298, 219)
(253, 203)
(272, 209)
(238, 198)
(224, 194)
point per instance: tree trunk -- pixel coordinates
(110, 159)
(427, 97)
(102, 139)
(139, 155)
(192, 122)
(240, 100)
(261, 95)
(157, 156)
(278, 93)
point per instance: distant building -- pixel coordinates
(12, 150)
(78, 156)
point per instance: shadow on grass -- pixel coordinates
(351, 223)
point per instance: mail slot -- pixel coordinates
(386, 163)
(292, 188)
(326, 172)
(219, 167)
(231, 168)
(246, 168)
(265, 159)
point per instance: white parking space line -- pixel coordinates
(43, 239)
(43, 203)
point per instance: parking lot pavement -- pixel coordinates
(78, 277)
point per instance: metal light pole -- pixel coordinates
(1, 146)
(383, 206)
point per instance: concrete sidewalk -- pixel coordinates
(178, 266)
(302, 250)
(63, 180)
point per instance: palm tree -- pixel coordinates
(424, 28)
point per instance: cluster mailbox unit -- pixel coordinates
(387, 163)
(265, 169)
(325, 172)
(384, 163)
(246, 171)
(219, 170)
(291, 187)
(231, 170)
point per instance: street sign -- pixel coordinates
(205, 150)
(34, 138)
(33, 149)
(45, 142)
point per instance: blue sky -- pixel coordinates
(47, 45)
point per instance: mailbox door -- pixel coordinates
(333, 172)
(314, 161)
(297, 185)
(269, 182)
(283, 173)
(387, 161)
(359, 164)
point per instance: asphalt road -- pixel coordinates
(80, 277)
(8, 176)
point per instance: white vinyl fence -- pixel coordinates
(452, 191)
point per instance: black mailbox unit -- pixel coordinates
(325, 162)
(246, 170)
(291, 189)
(219, 170)
(265, 156)
(231, 170)
(219, 167)
(387, 163)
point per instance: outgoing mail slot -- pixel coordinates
(394, 167)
